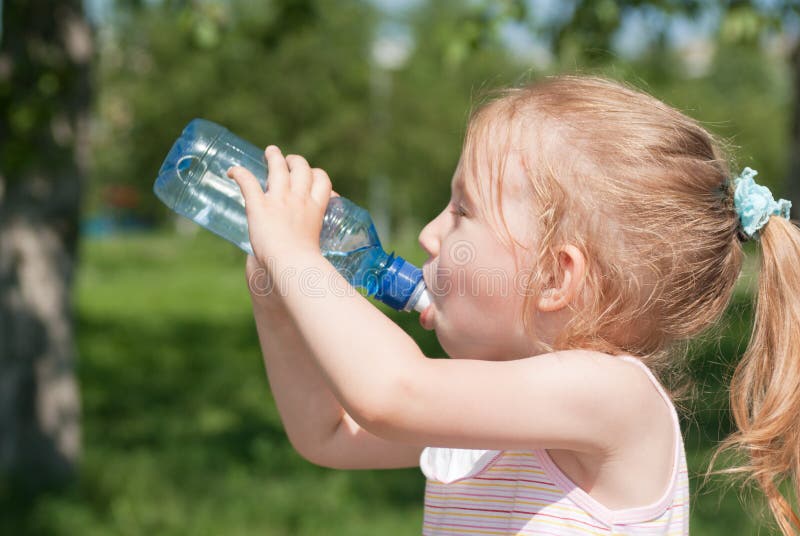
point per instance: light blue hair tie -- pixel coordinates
(754, 203)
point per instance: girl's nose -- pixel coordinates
(429, 239)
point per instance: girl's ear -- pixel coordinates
(572, 267)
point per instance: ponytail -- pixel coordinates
(765, 388)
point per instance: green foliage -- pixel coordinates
(751, 112)
(272, 73)
(298, 75)
(430, 106)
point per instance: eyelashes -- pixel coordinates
(459, 211)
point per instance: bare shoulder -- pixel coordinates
(627, 371)
(625, 375)
(640, 384)
(649, 424)
(628, 389)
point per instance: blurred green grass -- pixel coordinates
(181, 435)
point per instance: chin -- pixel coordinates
(453, 351)
(458, 350)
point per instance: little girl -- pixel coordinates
(590, 227)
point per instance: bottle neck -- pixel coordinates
(399, 283)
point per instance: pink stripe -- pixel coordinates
(521, 512)
(543, 496)
(492, 495)
(502, 494)
(517, 480)
(518, 465)
(539, 532)
(457, 525)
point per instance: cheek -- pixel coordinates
(443, 284)
(486, 294)
(450, 277)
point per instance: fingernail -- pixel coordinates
(273, 148)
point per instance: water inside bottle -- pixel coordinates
(354, 251)
(218, 207)
(360, 266)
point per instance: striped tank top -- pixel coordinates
(524, 492)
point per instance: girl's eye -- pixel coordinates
(459, 211)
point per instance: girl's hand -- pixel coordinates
(287, 218)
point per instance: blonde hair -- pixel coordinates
(765, 389)
(638, 186)
(644, 192)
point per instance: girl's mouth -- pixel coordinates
(425, 319)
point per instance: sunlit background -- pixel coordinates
(133, 399)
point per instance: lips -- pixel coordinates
(425, 318)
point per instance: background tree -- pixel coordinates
(45, 56)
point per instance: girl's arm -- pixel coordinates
(574, 400)
(577, 400)
(316, 424)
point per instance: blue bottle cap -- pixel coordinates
(397, 283)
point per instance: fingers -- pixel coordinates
(321, 187)
(248, 184)
(301, 177)
(278, 180)
(294, 174)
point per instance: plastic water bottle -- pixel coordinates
(193, 182)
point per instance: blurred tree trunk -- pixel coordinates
(45, 55)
